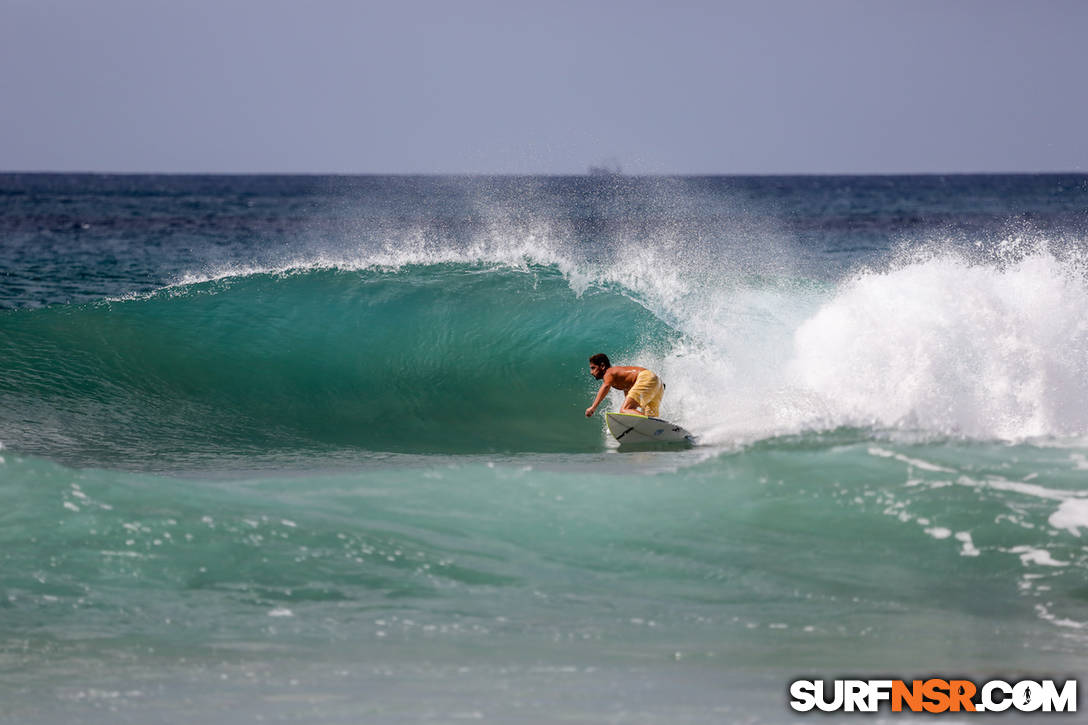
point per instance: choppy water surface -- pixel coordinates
(312, 449)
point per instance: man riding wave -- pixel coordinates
(643, 388)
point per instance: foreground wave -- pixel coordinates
(481, 355)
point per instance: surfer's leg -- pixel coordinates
(630, 406)
(645, 394)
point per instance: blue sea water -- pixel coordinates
(312, 449)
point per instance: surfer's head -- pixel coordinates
(598, 364)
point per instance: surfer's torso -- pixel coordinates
(622, 377)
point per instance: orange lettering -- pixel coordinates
(961, 693)
(912, 695)
(937, 691)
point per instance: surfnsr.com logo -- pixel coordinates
(933, 696)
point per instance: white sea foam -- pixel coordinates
(1032, 555)
(968, 545)
(947, 346)
(915, 462)
(942, 346)
(1044, 613)
(1072, 515)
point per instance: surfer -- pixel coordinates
(643, 388)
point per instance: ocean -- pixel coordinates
(312, 449)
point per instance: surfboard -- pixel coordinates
(627, 428)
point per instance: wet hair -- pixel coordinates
(600, 359)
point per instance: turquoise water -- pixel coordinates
(312, 450)
(416, 359)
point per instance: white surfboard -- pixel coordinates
(627, 428)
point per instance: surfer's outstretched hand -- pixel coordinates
(590, 412)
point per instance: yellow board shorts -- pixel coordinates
(647, 392)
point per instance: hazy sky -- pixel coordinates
(467, 86)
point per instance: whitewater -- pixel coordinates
(312, 448)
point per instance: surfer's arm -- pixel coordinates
(605, 387)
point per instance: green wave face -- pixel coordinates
(437, 358)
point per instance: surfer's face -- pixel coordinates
(596, 371)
